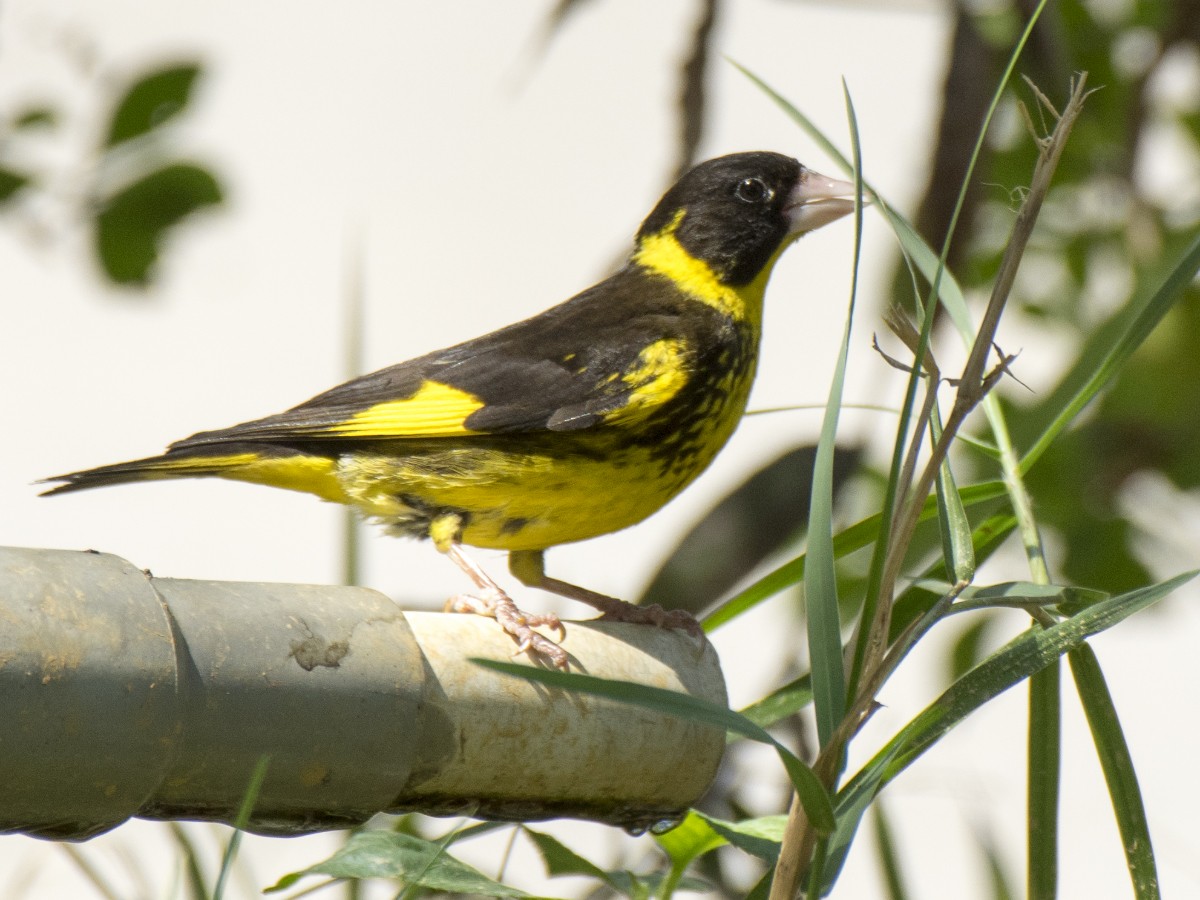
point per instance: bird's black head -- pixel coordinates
(735, 211)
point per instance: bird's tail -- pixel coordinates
(261, 464)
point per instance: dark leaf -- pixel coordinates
(130, 227)
(11, 182)
(154, 99)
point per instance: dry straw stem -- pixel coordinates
(974, 384)
(800, 839)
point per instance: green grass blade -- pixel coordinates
(955, 527)
(856, 537)
(812, 793)
(780, 703)
(1029, 652)
(257, 777)
(1043, 763)
(889, 860)
(1119, 773)
(823, 619)
(193, 873)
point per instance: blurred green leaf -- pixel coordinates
(967, 650)
(152, 100)
(889, 859)
(386, 854)
(560, 860)
(131, 225)
(756, 519)
(245, 810)
(41, 116)
(11, 182)
(194, 881)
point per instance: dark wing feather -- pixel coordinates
(562, 370)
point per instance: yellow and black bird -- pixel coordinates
(580, 421)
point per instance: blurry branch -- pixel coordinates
(692, 95)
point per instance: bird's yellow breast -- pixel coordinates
(523, 494)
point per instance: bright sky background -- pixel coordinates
(477, 189)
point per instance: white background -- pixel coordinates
(471, 187)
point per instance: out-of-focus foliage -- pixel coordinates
(1119, 206)
(135, 189)
(759, 518)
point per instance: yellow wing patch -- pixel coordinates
(436, 410)
(661, 373)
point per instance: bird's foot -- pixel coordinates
(518, 624)
(621, 611)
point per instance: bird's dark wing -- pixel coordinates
(612, 354)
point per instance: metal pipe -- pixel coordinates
(122, 694)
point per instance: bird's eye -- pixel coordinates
(753, 190)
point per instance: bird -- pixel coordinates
(579, 421)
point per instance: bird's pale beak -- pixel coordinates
(817, 200)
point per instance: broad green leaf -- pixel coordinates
(689, 840)
(694, 709)
(759, 837)
(150, 101)
(409, 859)
(132, 224)
(560, 860)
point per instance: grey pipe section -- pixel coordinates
(122, 694)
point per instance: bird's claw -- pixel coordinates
(654, 615)
(519, 625)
